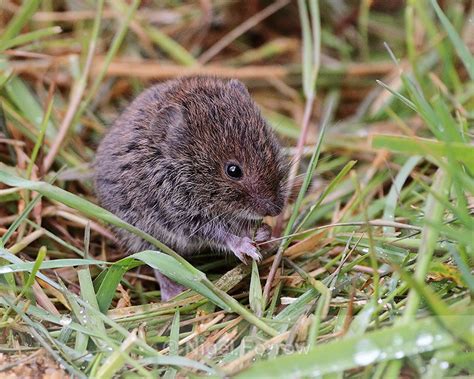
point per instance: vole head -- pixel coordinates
(230, 160)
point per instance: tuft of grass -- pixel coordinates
(374, 272)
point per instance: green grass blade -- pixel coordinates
(39, 140)
(89, 296)
(456, 40)
(20, 95)
(395, 190)
(378, 346)
(47, 265)
(19, 20)
(421, 146)
(15, 225)
(312, 165)
(36, 266)
(111, 53)
(40, 333)
(30, 37)
(173, 345)
(307, 47)
(171, 47)
(398, 95)
(433, 214)
(116, 360)
(106, 283)
(175, 270)
(330, 187)
(463, 268)
(316, 39)
(255, 292)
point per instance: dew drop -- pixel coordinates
(65, 320)
(367, 353)
(398, 341)
(424, 340)
(285, 300)
(399, 354)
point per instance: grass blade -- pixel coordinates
(421, 146)
(30, 37)
(378, 346)
(456, 40)
(255, 292)
(19, 20)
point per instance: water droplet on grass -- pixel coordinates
(65, 320)
(397, 341)
(367, 353)
(399, 354)
(424, 340)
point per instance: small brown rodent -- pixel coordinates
(193, 163)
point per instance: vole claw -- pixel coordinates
(244, 247)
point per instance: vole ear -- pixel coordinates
(167, 122)
(174, 126)
(239, 86)
(171, 116)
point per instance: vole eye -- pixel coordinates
(233, 171)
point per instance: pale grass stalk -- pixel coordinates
(26, 241)
(199, 330)
(234, 366)
(392, 224)
(241, 29)
(76, 96)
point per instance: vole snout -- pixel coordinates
(268, 207)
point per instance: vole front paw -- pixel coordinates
(263, 236)
(243, 247)
(263, 233)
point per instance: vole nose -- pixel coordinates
(269, 207)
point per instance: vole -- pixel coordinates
(193, 163)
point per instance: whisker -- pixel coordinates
(208, 222)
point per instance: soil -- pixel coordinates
(35, 365)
